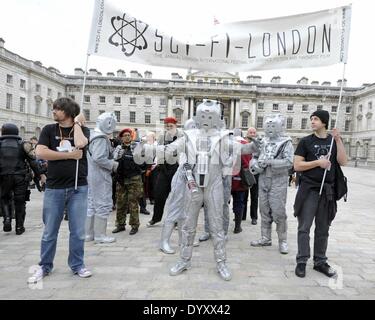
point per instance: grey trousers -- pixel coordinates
(305, 220)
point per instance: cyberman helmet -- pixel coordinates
(274, 125)
(9, 129)
(106, 123)
(208, 115)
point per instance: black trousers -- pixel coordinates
(310, 212)
(253, 200)
(14, 187)
(162, 189)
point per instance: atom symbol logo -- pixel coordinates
(131, 28)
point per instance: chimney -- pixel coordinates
(93, 72)
(254, 79)
(275, 80)
(175, 76)
(78, 72)
(303, 80)
(340, 81)
(148, 75)
(314, 83)
(121, 73)
(38, 63)
(110, 74)
(326, 83)
(2, 42)
(134, 74)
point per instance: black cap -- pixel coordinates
(323, 115)
(9, 129)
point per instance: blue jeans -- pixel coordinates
(54, 203)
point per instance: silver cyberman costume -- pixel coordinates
(100, 166)
(175, 201)
(275, 158)
(204, 154)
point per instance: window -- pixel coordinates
(290, 107)
(200, 82)
(9, 101)
(37, 87)
(303, 123)
(333, 123)
(72, 96)
(87, 99)
(101, 111)
(161, 117)
(117, 100)
(245, 120)
(334, 109)
(117, 115)
(59, 95)
(37, 108)
(225, 82)
(23, 84)
(102, 99)
(347, 125)
(370, 105)
(360, 108)
(9, 79)
(260, 122)
(275, 107)
(348, 109)
(86, 113)
(260, 106)
(305, 107)
(163, 101)
(132, 116)
(212, 82)
(178, 115)
(147, 117)
(226, 121)
(49, 92)
(319, 107)
(178, 102)
(133, 100)
(22, 104)
(148, 101)
(289, 123)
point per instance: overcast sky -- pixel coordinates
(56, 32)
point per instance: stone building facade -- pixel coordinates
(27, 90)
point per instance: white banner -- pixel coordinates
(306, 40)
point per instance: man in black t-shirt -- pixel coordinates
(311, 159)
(62, 144)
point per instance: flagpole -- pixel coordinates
(82, 100)
(337, 120)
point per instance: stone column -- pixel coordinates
(185, 115)
(169, 107)
(231, 113)
(238, 115)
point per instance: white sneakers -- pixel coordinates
(39, 274)
(83, 273)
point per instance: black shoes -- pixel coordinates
(118, 229)
(133, 231)
(150, 223)
(301, 270)
(145, 211)
(326, 269)
(237, 229)
(254, 221)
(7, 225)
(20, 230)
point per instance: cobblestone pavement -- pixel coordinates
(134, 268)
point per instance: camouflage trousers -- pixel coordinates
(127, 201)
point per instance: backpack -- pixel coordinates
(341, 184)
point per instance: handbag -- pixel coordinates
(247, 177)
(341, 184)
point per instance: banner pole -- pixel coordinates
(82, 100)
(337, 120)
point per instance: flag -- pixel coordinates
(305, 40)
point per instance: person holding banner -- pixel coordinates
(62, 144)
(312, 158)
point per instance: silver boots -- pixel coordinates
(100, 227)
(165, 236)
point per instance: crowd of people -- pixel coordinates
(87, 174)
